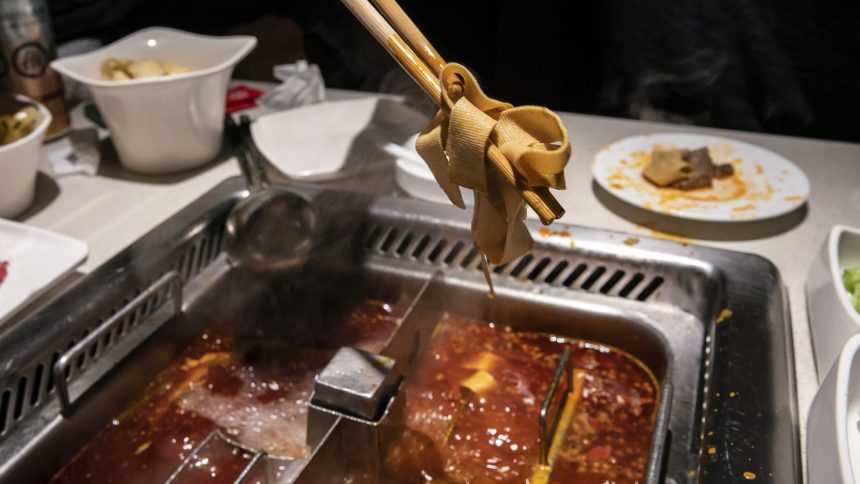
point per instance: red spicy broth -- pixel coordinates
(261, 404)
(473, 399)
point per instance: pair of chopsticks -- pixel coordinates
(424, 67)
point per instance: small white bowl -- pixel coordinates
(832, 319)
(169, 123)
(19, 162)
(414, 176)
(833, 427)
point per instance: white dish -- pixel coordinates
(833, 427)
(333, 139)
(37, 259)
(832, 319)
(294, 142)
(418, 182)
(764, 185)
(19, 162)
(168, 123)
(414, 176)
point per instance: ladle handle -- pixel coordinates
(234, 135)
(259, 168)
(550, 412)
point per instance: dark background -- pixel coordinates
(789, 67)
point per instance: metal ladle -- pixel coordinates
(271, 230)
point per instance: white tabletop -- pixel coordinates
(112, 209)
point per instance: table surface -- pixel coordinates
(112, 209)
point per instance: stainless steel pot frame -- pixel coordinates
(65, 371)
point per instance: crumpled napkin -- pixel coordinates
(301, 84)
(76, 153)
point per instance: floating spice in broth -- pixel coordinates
(473, 400)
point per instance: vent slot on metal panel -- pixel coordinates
(591, 279)
(471, 256)
(533, 275)
(5, 414)
(421, 247)
(650, 288)
(570, 279)
(437, 250)
(38, 387)
(559, 268)
(611, 282)
(20, 397)
(388, 240)
(454, 252)
(372, 236)
(404, 243)
(555, 270)
(521, 265)
(632, 284)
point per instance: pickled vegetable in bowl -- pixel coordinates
(851, 280)
(19, 124)
(23, 124)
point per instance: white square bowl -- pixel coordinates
(833, 427)
(19, 162)
(169, 123)
(832, 318)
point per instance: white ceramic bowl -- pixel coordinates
(832, 319)
(19, 162)
(833, 427)
(169, 123)
(414, 176)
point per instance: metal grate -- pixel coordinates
(540, 267)
(36, 382)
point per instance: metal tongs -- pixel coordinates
(269, 231)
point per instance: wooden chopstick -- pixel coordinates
(406, 27)
(539, 199)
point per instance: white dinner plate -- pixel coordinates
(764, 185)
(332, 139)
(36, 260)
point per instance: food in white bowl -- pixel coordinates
(114, 69)
(19, 159)
(851, 280)
(832, 317)
(413, 175)
(170, 123)
(18, 124)
(833, 427)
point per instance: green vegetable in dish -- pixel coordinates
(851, 279)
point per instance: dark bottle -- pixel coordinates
(27, 48)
